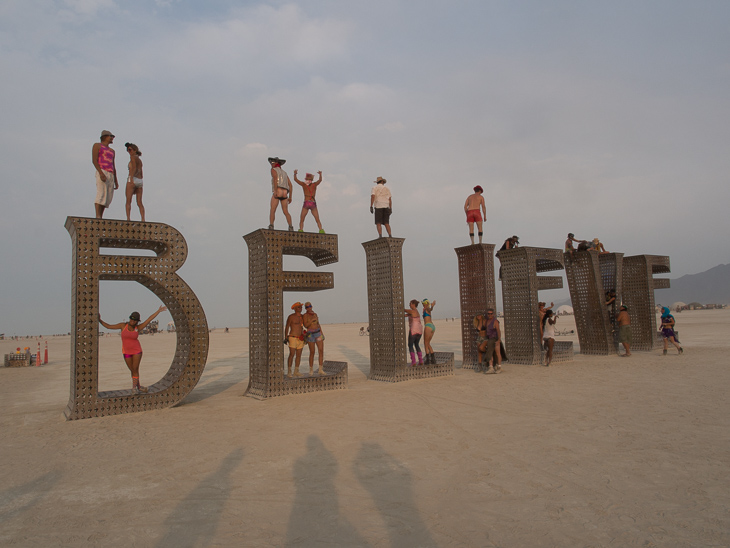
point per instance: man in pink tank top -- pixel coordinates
(102, 156)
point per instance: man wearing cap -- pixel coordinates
(102, 156)
(381, 203)
(294, 337)
(473, 208)
(313, 337)
(281, 191)
(624, 329)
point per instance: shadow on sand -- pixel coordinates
(195, 520)
(390, 484)
(16, 500)
(315, 519)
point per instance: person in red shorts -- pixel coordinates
(473, 208)
(131, 349)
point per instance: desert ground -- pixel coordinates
(600, 451)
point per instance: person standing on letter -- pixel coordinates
(102, 156)
(281, 191)
(381, 203)
(473, 208)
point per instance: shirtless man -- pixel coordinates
(473, 208)
(294, 337)
(102, 156)
(281, 190)
(314, 336)
(624, 329)
(310, 204)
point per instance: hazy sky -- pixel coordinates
(607, 119)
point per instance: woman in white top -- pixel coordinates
(548, 334)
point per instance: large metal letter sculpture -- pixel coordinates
(583, 270)
(638, 295)
(476, 291)
(520, 284)
(157, 274)
(387, 324)
(267, 282)
(612, 276)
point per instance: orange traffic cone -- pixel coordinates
(38, 357)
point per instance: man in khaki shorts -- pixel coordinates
(294, 337)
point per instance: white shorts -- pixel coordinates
(104, 189)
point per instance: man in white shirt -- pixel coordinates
(382, 204)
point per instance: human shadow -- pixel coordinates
(315, 517)
(389, 482)
(235, 376)
(16, 500)
(355, 357)
(195, 520)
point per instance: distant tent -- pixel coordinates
(696, 305)
(678, 304)
(564, 309)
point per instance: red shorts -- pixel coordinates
(474, 216)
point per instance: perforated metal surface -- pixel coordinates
(583, 271)
(267, 282)
(638, 295)
(612, 276)
(520, 286)
(476, 294)
(158, 274)
(385, 311)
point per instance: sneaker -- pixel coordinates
(490, 369)
(143, 389)
(681, 350)
(321, 231)
(291, 228)
(271, 227)
(497, 369)
(300, 230)
(135, 391)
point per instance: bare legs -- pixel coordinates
(549, 343)
(284, 208)
(315, 214)
(133, 364)
(320, 349)
(99, 210)
(675, 343)
(130, 191)
(380, 230)
(298, 352)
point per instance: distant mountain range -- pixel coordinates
(708, 287)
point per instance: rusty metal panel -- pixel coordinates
(638, 295)
(520, 286)
(595, 333)
(476, 294)
(267, 282)
(388, 337)
(158, 274)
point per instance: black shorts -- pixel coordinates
(382, 215)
